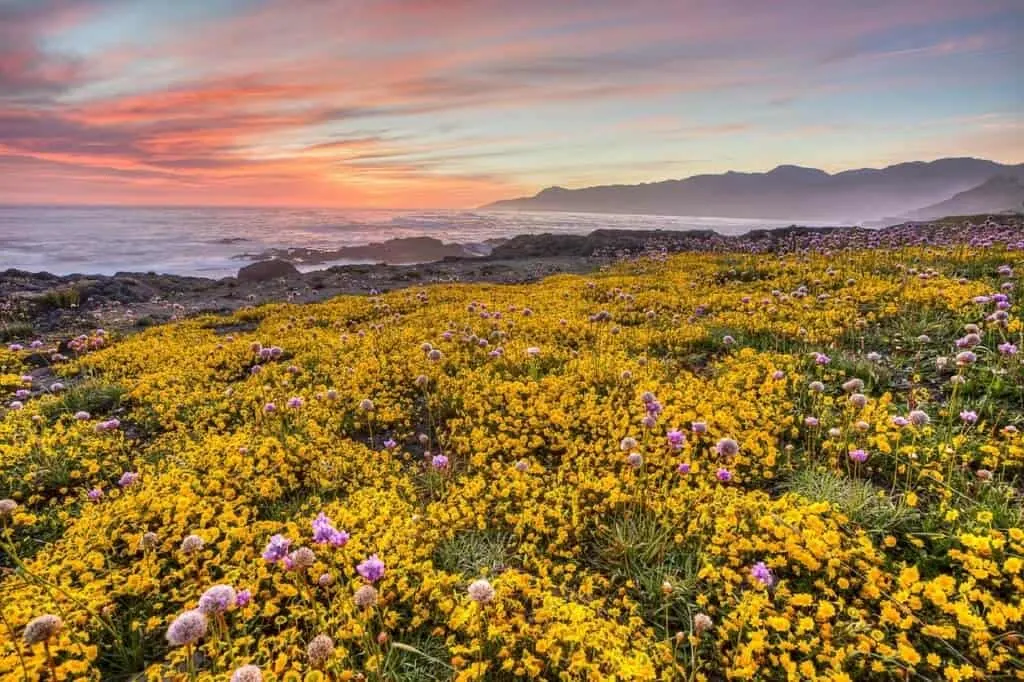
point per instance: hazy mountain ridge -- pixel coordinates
(786, 192)
(999, 193)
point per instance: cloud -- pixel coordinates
(461, 96)
(28, 73)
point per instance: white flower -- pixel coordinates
(481, 591)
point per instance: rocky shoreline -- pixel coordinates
(42, 305)
(34, 305)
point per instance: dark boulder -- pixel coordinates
(267, 270)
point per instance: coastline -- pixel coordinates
(42, 305)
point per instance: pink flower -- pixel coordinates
(372, 569)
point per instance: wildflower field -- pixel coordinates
(698, 467)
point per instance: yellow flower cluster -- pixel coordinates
(700, 467)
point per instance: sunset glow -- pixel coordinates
(452, 103)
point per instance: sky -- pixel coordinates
(454, 103)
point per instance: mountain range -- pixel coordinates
(913, 190)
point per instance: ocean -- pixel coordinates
(209, 242)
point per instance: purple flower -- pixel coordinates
(372, 569)
(723, 475)
(390, 444)
(295, 403)
(683, 468)
(727, 447)
(699, 427)
(299, 560)
(778, 374)
(858, 456)
(676, 439)
(1007, 348)
(635, 460)
(243, 598)
(277, 549)
(22, 393)
(187, 628)
(439, 462)
(128, 478)
(217, 599)
(649, 421)
(762, 574)
(96, 494)
(270, 407)
(109, 425)
(821, 359)
(966, 357)
(324, 532)
(811, 422)
(82, 415)
(900, 421)
(969, 416)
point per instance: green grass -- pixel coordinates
(126, 656)
(860, 501)
(422, 658)
(637, 550)
(93, 397)
(14, 330)
(468, 553)
(59, 299)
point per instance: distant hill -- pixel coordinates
(995, 195)
(784, 193)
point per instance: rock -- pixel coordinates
(397, 251)
(266, 270)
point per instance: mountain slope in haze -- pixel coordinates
(995, 195)
(785, 193)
